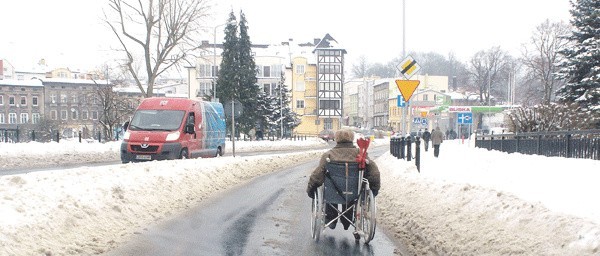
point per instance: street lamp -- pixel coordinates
(214, 67)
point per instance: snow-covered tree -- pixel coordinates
(287, 118)
(550, 117)
(581, 67)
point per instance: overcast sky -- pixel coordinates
(70, 33)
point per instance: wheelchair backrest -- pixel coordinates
(342, 182)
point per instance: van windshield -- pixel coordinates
(157, 120)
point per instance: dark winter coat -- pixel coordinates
(426, 136)
(342, 152)
(437, 137)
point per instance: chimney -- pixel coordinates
(317, 40)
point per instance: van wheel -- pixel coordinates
(183, 154)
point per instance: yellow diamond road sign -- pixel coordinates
(408, 67)
(407, 88)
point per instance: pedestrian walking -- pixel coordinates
(437, 137)
(426, 138)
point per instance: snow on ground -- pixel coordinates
(467, 202)
(36, 154)
(472, 201)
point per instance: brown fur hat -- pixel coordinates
(344, 135)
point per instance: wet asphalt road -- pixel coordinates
(269, 215)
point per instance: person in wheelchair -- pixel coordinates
(344, 151)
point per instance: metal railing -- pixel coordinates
(401, 149)
(569, 144)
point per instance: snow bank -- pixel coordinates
(90, 210)
(435, 216)
(38, 155)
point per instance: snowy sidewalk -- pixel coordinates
(472, 201)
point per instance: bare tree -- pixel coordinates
(359, 69)
(164, 32)
(542, 56)
(488, 69)
(114, 109)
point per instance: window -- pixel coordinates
(424, 97)
(205, 88)
(12, 118)
(300, 86)
(63, 98)
(24, 118)
(299, 103)
(267, 71)
(215, 71)
(63, 115)
(299, 69)
(95, 115)
(23, 101)
(74, 98)
(35, 118)
(269, 89)
(329, 104)
(53, 115)
(34, 100)
(1, 100)
(53, 98)
(2, 118)
(203, 70)
(276, 70)
(84, 115)
(11, 100)
(328, 124)
(259, 71)
(74, 114)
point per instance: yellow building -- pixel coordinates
(316, 86)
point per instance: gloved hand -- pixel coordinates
(311, 193)
(375, 192)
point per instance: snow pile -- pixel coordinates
(90, 210)
(477, 202)
(36, 154)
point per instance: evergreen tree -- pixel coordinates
(248, 90)
(289, 117)
(581, 69)
(227, 80)
(268, 111)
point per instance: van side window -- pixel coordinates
(191, 119)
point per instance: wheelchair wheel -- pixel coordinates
(368, 215)
(316, 224)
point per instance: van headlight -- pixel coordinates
(173, 136)
(126, 135)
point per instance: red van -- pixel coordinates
(174, 128)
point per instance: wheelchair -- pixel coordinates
(345, 184)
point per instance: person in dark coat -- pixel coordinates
(344, 151)
(426, 138)
(437, 137)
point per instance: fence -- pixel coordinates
(570, 144)
(401, 148)
(16, 136)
